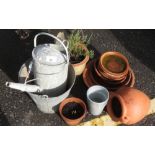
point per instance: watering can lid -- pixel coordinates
(46, 54)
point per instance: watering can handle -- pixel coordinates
(50, 35)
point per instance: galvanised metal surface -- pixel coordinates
(50, 66)
(49, 104)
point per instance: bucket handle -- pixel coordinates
(52, 36)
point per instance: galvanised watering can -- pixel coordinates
(49, 67)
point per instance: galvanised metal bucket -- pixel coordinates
(50, 66)
(48, 104)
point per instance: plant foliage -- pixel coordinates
(78, 43)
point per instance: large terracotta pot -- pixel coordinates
(128, 105)
(79, 67)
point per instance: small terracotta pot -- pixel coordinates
(128, 105)
(111, 85)
(79, 67)
(99, 80)
(110, 76)
(67, 101)
(97, 75)
(113, 65)
(106, 79)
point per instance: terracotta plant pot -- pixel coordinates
(88, 77)
(128, 80)
(91, 73)
(110, 76)
(106, 79)
(79, 67)
(87, 81)
(91, 76)
(72, 110)
(132, 81)
(114, 65)
(128, 105)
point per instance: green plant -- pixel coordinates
(78, 43)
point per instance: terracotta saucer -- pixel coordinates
(100, 81)
(90, 78)
(86, 77)
(116, 86)
(95, 79)
(112, 62)
(109, 76)
(96, 75)
(132, 81)
(102, 78)
(91, 73)
(128, 79)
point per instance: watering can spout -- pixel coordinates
(23, 87)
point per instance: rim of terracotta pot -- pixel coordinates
(89, 81)
(86, 77)
(67, 101)
(104, 82)
(100, 80)
(118, 54)
(90, 67)
(110, 76)
(123, 118)
(85, 60)
(86, 80)
(111, 81)
(129, 80)
(132, 80)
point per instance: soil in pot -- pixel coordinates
(74, 60)
(72, 110)
(114, 64)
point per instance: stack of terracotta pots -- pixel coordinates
(111, 70)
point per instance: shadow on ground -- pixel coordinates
(3, 119)
(140, 43)
(14, 51)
